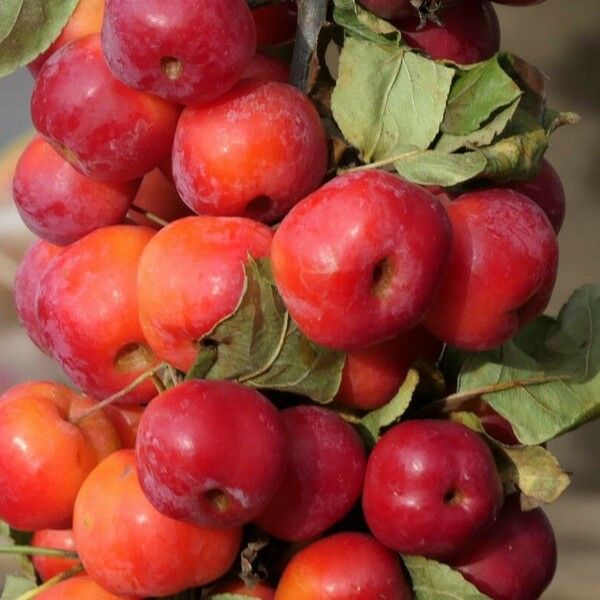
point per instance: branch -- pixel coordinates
(311, 17)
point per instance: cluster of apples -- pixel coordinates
(168, 114)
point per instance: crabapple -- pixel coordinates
(87, 308)
(148, 554)
(45, 454)
(390, 9)
(126, 420)
(519, 2)
(58, 203)
(501, 271)
(267, 67)
(430, 488)
(105, 129)
(344, 566)
(275, 23)
(513, 560)
(272, 151)
(49, 566)
(251, 590)
(82, 587)
(86, 19)
(203, 257)
(372, 375)
(191, 51)
(33, 265)
(470, 33)
(359, 260)
(323, 477)
(211, 452)
(547, 191)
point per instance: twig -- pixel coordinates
(149, 215)
(108, 401)
(37, 551)
(311, 17)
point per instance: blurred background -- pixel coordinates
(563, 39)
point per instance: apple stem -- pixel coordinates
(454, 402)
(311, 17)
(38, 551)
(51, 582)
(149, 215)
(108, 401)
(386, 162)
(158, 384)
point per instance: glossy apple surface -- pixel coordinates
(430, 488)
(49, 566)
(359, 260)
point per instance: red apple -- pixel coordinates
(390, 9)
(372, 375)
(105, 129)
(359, 261)
(33, 265)
(251, 590)
(430, 488)
(272, 151)
(275, 23)
(60, 204)
(50, 566)
(470, 32)
(345, 566)
(204, 259)
(147, 554)
(81, 587)
(211, 452)
(501, 271)
(88, 311)
(323, 476)
(126, 420)
(267, 67)
(191, 51)
(547, 191)
(45, 455)
(515, 559)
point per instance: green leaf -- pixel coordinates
(15, 587)
(557, 389)
(377, 420)
(388, 101)
(39, 23)
(432, 580)
(18, 565)
(476, 95)
(532, 469)
(481, 137)
(518, 154)
(430, 167)
(261, 346)
(363, 23)
(9, 10)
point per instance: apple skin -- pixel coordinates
(81, 587)
(211, 453)
(272, 151)
(372, 375)
(267, 67)
(547, 191)
(430, 488)
(117, 558)
(206, 65)
(344, 566)
(257, 590)
(359, 260)
(515, 559)
(519, 2)
(87, 308)
(501, 271)
(60, 204)
(204, 259)
(49, 566)
(126, 420)
(85, 20)
(33, 265)
(125, 132)
(323, 477)
(470, 33)
(390, 9)
(275, 23)
(44, 455)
